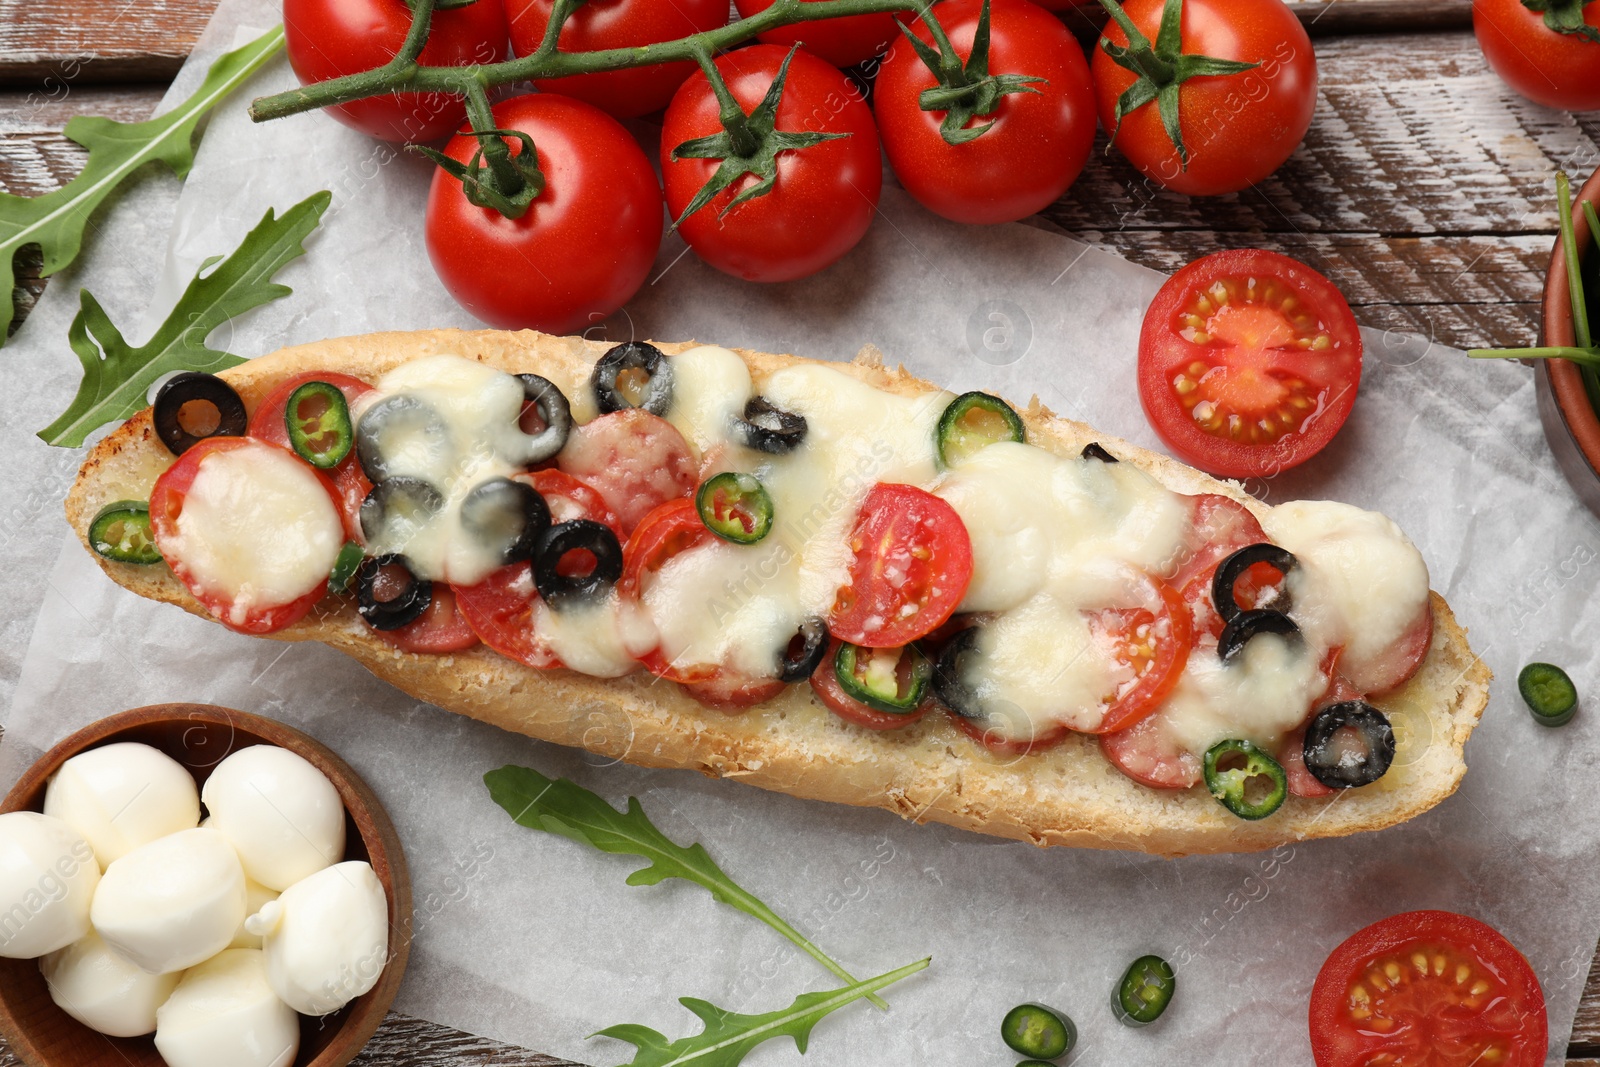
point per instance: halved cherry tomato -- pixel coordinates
(913, 562)
(267, 424)
(441, 628)
(1249, 363)
(1428, 989)
(166, 504)
(825, 683)
(1004, 747)
(1153, 645)
(1144, 753)
(636, 461)
(500, 611)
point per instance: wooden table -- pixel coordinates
(1423, 190)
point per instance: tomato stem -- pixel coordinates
(493, 177)
(1565, 17)
(965, 91)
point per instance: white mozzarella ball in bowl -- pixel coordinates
(122, 796)
(172, 903)
(224, 1014)
(103, 991)
(282, 814)
(326, 939)
(48, 877)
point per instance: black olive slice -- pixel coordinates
(505, 516)
(385, 427)
(194, 387)
(397, 611)
(639, 356)
(766, 428)
(396, 509)
(948, 682)
(556, 414)
(1232, 569)
(560, 590)
(1093, 450)
(800, 663)
(1349, 744)
(1248, 624)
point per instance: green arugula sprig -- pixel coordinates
(55, 221)
(729, 1036)
(1565, 16)
(559, 806)
(117, 377)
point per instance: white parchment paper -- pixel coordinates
(536, 940)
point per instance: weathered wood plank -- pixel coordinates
(83, 41)
(1586, 1027)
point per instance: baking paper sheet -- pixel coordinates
(535, 940)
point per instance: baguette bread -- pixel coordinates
(1068, 795)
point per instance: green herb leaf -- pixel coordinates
(55, 221)
(117, 377)
(729, 1036)
(559, 806)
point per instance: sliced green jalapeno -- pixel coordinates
(974, 421)
(1549, 693)
(121, 532)
(1234, 773)
(345, 565)
(892, 680)
(735, 507)
(1144, 992)
(318, 420)
(1037, 1031)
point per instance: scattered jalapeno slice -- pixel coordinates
(892, 680)
(1144, 992)
(1230, 768)
(121, 532)
(1549, 693)
(318, 419)
(345, 566)
(1037, 1031)
(735, 506)
(974, 421)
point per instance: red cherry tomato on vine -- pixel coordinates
(1249, 363)
(1238, 128)
(1428, 989)
(825, 194)
(330, 38)
(1039, 141)
(604, 24)
(1557, 70)
(584, 246)
(844, 41)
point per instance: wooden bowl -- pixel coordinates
(1570, 422)
(200, 736)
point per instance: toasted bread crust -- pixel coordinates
(1069, 795)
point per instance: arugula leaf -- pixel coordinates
(559, 806)
(55, 221)
(729, 1036)
(117, 377)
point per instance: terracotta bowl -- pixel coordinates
(199, 736)
(1569, 418)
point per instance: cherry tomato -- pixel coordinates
(1151, 644)
(913, 562)
(825, 194)
(1039, 141)
(585, 245)
(330, 38)
(1249, 363)
(1238, 128)
(605, 24)
(1557, 70)
(348, 478)
(1428, 989)
(441, 628)
(636, 461)
(166, 504)
(500, 611)
(1146, 754)
(843, 41)
(825, 683)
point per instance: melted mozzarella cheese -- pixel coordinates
(601, 638)
(1259, 696)
(258, 528)
(710, 388)
(727, 604)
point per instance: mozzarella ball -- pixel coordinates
(224, 1013)
(48, 877)
(122, 796)
(326, 939)
(256, 897)
(282, 814)
(172, 903)
(103, 991)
